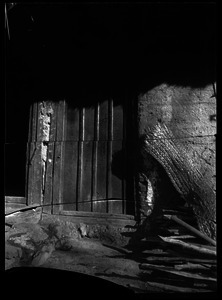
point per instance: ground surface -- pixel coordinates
(124, 256)
(74, 248)
(95, 258)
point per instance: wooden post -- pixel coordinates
(191, 228)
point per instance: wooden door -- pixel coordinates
(78, 159)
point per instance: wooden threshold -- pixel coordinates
(92, 219)
(97, 215)
(15, 199)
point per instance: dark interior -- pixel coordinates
(83, 52)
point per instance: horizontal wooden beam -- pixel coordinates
(98, 215)
(15, 199)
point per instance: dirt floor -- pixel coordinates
(102, 260)
(99, 251)
(121, 255)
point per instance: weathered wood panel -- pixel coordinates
(72, 125)
(34, 113)
(89, 124)
(70, 175)
(57, 177)
(39, 126)
(103, 121)
(86, 186)
(60, 126)
(58, 157)
(15, 199)
(115, 184)
(94, 169)
(48, 184)
(80, 159)
(118, 122)
(35, 174)
(99, 202)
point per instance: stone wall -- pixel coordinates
(190, 114)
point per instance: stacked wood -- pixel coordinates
(183, 261)
(188, 246)
(191, 228)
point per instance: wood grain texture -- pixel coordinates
(79, 171)
(35, 174)
(70, 175)
(58, 176)
(48, 188)
(103, 121)
(86, 186)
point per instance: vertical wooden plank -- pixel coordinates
(28, 149)
(35, 186)
(39, 131)
(109, 152)
(60, 121)
(89, 126)
(103, 122)
(117, 173)
(118, 122)
(70, 175)
(52, 108)
(124, 175)
(53, 121)
(101, 190)
(97, 122)
(132, 120)
(82, 124)
(33, 152)
(80, 157)
(94, 171)
(95, 157)
(30, 174)
(124, 151)
(131, 159)
(59, 158)
(116, 179)
(30, 123)
(47, 193)
(34, 122)
(72, 124)
(36, 195)
(86, 193)
(79, 174)
(27, 171)
(57, 178)
(115, 135)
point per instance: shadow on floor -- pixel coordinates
(41, 281)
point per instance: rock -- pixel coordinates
(30, 238)
(35, 232)
(12, 251)
(22, 240)
(63, 244)
(9, 263)
(12, 256)
(7, 228)
(61, 229)
(83, 229)
(42, 256)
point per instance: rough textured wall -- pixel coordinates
(190, 114)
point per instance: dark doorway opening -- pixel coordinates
(16, 136)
